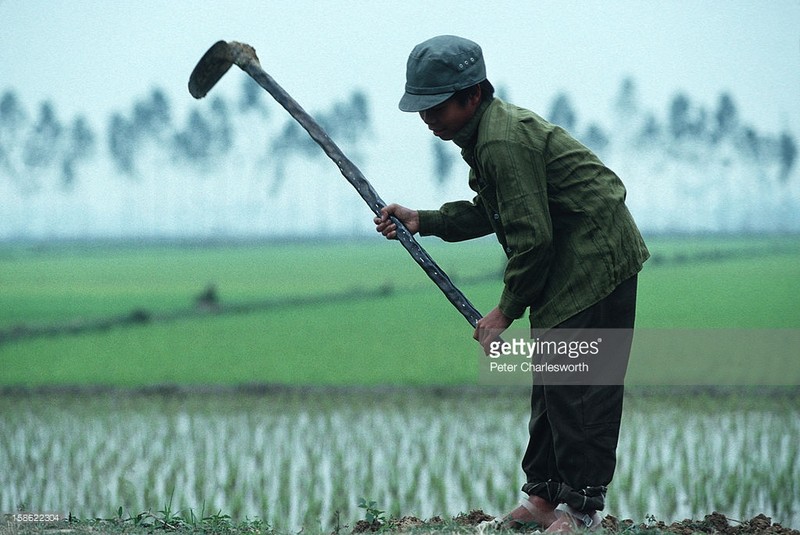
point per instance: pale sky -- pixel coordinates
(97, 56)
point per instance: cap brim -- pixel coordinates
(412, 102)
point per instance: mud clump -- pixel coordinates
(407, 523)
(473, 518)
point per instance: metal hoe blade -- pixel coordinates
(211, 67)
(216, 62)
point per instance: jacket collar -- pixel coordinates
(466, 136)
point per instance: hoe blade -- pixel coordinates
(211, 67)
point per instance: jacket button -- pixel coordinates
(508, 250)
(496, 217)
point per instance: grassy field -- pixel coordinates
(407, 333)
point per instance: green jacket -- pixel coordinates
(558, 212)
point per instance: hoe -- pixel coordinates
(216, 62)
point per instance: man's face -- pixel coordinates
(446, 119)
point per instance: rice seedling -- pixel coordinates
(306, 459)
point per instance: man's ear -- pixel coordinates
(475, 97)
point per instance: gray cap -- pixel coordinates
(439, 67)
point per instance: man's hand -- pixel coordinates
(490, 327)
(384, 225)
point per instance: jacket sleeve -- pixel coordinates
(520, 182)
(456, 221)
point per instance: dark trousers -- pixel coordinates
(571, 452)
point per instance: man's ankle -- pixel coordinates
(540, 503)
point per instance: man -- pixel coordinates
(573, 251)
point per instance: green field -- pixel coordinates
(404, 332)
(319, 316)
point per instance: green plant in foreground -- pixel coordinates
(372, 514)
(170, 521)
(218, 523)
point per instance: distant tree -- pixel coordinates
(122, 143)
(726, 117)
(680, 124)
(291, 140)
(42, 145)
(787, 148)
(700, 123)
(81, 142)
(195, 142)
(443, 161)
(13, 120)
(150, 119)
(626, 102)
(251, 98)
(68, 173)
(650, 132)
(685, 121)
(12, 114)
(595, 138)
(359, 106)
(749, 143)
(151, 116)
(220, 124)
(562, 113)
(358, 111)
(349, 120)
(82, 138)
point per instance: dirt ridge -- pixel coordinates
(714, 523)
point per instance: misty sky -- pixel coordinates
(98, 56)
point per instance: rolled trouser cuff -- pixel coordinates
(583, 500)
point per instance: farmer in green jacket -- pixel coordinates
(573, 252)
